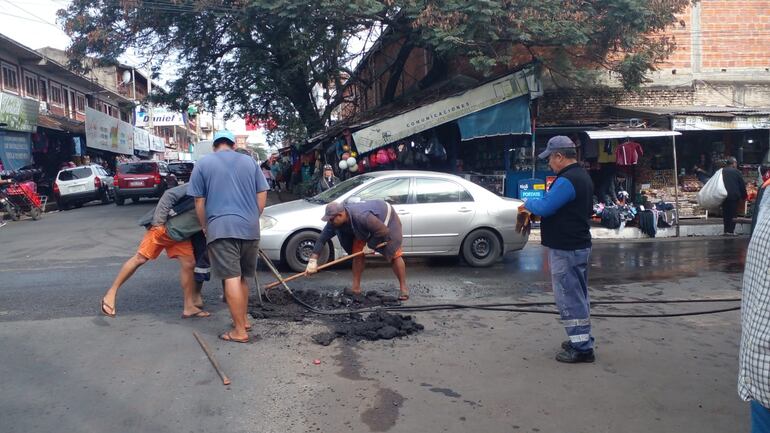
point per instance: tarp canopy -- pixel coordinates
(518, 84)
(607, 134)
(507, 118)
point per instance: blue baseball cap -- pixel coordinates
(332, 209)
(556, 143)
(224, 134)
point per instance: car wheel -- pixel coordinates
(119, 201)
(13, 213)
(481, 248)
(35, 213)
(300, 247)
(135, 199)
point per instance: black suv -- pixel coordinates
(182, 170)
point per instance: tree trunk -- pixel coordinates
(396, 71)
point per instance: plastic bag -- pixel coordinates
(713, 193)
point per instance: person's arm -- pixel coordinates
(200, 212)
(561, 193)
(744, 193)
(167, 202)
(326, 234)
(261, 201)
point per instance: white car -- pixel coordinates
(79, 185)
(441, 215)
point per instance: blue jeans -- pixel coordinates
(569, 276)
(760, 418)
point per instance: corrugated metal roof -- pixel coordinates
(698, 110)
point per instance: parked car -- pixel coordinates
(135, 180)
(441, 215)
(182, 170)
(79, 185)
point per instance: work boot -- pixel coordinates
(573, 356)
(566, 345)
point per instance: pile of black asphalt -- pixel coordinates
(350, 326)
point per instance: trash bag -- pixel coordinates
(713, 193)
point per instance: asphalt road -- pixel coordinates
(66, 368)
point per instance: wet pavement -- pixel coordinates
(66, 368)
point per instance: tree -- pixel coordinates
(272, 58)
(572, 39)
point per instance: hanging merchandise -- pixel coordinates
(382, 157)
(628, 153)
(405, 155)
(607, 151)
(392, 155)
(373, 160)
(436, 150)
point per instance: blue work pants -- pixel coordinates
(569, 276)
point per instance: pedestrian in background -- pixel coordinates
(565, 211)
(230, 193)
(328, 179)
(754, 355)
(736, 192)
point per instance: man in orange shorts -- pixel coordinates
(154, 242)
(362, 227)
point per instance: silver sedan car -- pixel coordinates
(441, 215)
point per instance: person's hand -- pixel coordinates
(523, 221)
(312, 266)
(523, 208)
(367, 250)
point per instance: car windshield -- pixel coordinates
(338, 191)
(75, 174)
(137, 168)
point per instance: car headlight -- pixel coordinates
(266, 222)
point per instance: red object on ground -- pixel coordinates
(317, 361)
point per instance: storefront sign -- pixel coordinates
(531, 188)
(703, 123)
(438, 113)
(105, 132)
(160, 117)
(18, 114)
(141, 140)
(15, 149)
(157, 144)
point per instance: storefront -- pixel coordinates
(18, 120)
(469, 133)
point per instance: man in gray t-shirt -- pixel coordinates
(230, 193)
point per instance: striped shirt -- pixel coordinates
(754, 357)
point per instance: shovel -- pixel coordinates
(324, 266)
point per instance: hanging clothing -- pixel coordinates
(628, 153)
(607, 151)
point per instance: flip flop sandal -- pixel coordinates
(105, 306)
(227, 337)
(403, 297)
(199, 315)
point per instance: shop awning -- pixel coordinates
(58, 123)
(507, 118)
(606, 134)
(493, 93)
(700, 118)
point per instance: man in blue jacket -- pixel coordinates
(565, 211)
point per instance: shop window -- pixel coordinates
(56, 94)
(393, 191)
(10, 77)
(30, 85)
(440, 191)
(81, 103)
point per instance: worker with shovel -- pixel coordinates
(363, 227)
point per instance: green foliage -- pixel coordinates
(268, 57)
